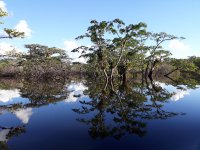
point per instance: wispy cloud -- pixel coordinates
(6, 47)
(180, 49)
(22, 26)
(3, 6)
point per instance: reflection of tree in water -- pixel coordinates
(188, 81)
(123, 108)
(39, 94)
(158, 96)
(43, 93)
(7, 133)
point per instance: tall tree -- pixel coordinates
(110, 41)
(156, 52)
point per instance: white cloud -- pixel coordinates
(3, 6)
(178, 45)
(24, 114)
(69, 46)
(6, 47)
(179, 49)
(179, 94)
(8, 95)
(22, 26)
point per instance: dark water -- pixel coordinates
(85, 115)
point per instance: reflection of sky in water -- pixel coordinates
(178, 93)
(24, 114)
(76, 92)
(3, 134)
(56, 126)
(11, 96)
(8, 95)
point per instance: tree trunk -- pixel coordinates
(171, 72)
(124, 77)
(106, 75)
(146, 70)
(111, 74)
(153, 66)
(150, 74)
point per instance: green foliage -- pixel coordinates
(10, 33)
(42, 61)
(117, 49)
(123, 47)
(196, 61)
(112, 40)
(184, 65)
(2, 14)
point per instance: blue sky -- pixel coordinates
(57, 23)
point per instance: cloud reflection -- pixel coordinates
(76, 91)
(8, 95)
(3, 134)
(24, 114)
(179, 95)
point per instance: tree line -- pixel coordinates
(117, 50)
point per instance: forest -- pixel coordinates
(117, 51)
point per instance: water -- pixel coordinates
(82, 114)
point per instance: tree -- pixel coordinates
(157, 57)
(10, 33)
(110, 40)
(119, 47)
(156, 52)
(44, 62)
(195, 60)
(182, 65)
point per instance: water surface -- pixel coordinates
(83, 114)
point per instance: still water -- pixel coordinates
(82, 114)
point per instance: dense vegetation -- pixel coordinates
(117, 50)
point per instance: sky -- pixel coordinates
(58, 23)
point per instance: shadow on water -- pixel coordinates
(112, 109)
